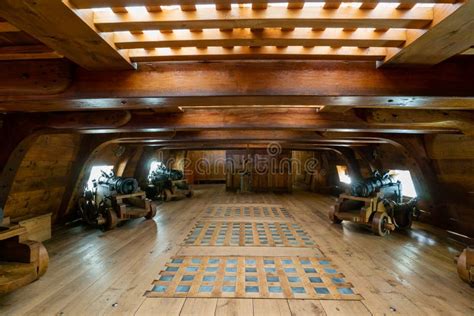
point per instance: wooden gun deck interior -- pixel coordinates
(92, 272)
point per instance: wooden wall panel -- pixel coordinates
(453, 160)
(298, 173)
(269, 173)
(324, 176)
(43, 174)
(205, 166)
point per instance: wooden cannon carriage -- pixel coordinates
(376, 202)
(114, 199)
(22, 261)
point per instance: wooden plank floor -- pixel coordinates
(94, 273)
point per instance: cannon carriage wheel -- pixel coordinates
(167, 195)
(152, 212)
(111, 219)
(380, 222)
(332, 216)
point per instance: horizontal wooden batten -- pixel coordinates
(238, 53)
(268, 37)
(27, 52)
(83, 4)
(257, 19)
(238, 120)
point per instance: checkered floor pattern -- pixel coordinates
(286, 234)
(257, 211)
(252, 277)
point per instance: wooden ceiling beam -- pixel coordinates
(451, 33)
(207, 146)
(268, 37)
(66, 31)
(237, 120)
(240, 53)
(83, 4)
(271, 17)
(256, 135)
(27, 52)
(232, 84)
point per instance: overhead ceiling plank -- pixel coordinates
(268, 37)
(271, 17)
(62, 29)
(122, 3)
(238, 53)
(451, 33)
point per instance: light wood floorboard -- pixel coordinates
(97, 273)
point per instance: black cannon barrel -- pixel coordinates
(119, 184)
(370, 185)
(163, 174)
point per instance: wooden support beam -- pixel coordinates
(464, 121)
(245, 135)
(153, 8)
(239, 53)
(271, 17)
(83, 4)
(119, 10)
(332, 5)
(470, 51)
(268, 37)
(27, 52)
(306, 118)
(368, 5)
(87, 145)
(66, 31)
(451, 33)
(295, 5)
(235, 84)
(6, 27)
(198, 120)
(39, 77)
(17, 137)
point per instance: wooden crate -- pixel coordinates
(38, 228)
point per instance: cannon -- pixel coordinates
(113, 199)
(376, 202)
(165, 184)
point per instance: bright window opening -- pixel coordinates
(96, 172)
(408, 188)
(154, 166)
(343, 173)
